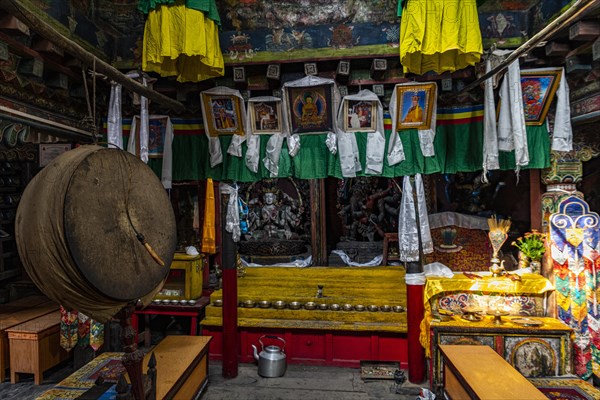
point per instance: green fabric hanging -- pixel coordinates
(458, 148)
(209, 7)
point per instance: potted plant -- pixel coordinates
(532, 245)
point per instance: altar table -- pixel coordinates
(530, 284)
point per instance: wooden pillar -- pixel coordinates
(535, 199)
(415, 313)
(318, 230)
(230, 299)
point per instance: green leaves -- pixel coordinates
(531, 245)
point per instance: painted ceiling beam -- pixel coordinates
(28, 14)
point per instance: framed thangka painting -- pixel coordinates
(223, 113)
(311, 109)
(265, 116)
(539, 88)
(360, 116)
(157, 131)
(414, 106)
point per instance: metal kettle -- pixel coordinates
(272, 359)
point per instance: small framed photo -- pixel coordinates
(378, 90)
(310, 69)
(360, 116)
(223, 113)
(343, 90)
(414, 106)
(343, 68)
(311, 108)
(539, 88)
(265, 117)
(239, 74)
(273, 71)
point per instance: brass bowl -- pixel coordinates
(347, 307)
(183, 302)
(191, 302)
(279, 305)
(295, 305)
(385, 308)
(359, 307)
(324, 306)
(218, 303)
(249, 303)
(373, 308)
(264, 304)
(311, 305)
(398, 309)
(334, 307)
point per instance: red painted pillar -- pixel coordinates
(230, 299)
(415, 311)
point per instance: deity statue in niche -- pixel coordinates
(275, 215)
(368, 208)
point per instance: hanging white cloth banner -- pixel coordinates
(490, 133)
(408, 232)
(293, 139)
(167, 150)
(144, 126)
(214, 145)
(348, 148)
(427, 136)
(512, 134)
(562, 136)
(232, 219)
(267, 109)
(114, 124)
(395, 153)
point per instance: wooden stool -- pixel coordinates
(35, 347)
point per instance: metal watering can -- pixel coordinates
(271, 360)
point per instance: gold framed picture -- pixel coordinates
(265, 117)
(414, 105)
(223, 113)
(360, 116)
(539, 88)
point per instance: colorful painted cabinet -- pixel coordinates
(533, 351)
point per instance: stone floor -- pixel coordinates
(298, 383)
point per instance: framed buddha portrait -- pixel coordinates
(223, 113)
(311, 109)
(414, 106)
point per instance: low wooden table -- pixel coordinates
(15, 313)
(35, 347)
(181, 366)
(194, 312)
(478, 372)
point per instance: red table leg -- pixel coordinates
(194, 328)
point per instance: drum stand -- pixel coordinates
(143, 387)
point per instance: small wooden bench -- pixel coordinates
(181, 366)
(478, 372)
(35, 347)
(18, 312)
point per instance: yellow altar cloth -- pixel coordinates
(529, 284)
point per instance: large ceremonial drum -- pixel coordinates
(79, 225)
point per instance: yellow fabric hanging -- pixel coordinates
(209, 243)
(182, 42)
(441, 35)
